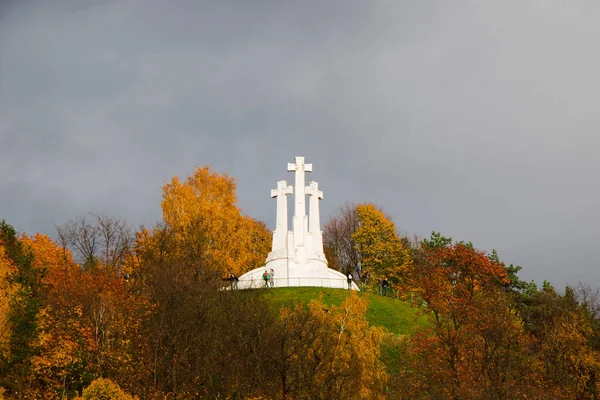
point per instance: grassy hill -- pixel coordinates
(396, 316)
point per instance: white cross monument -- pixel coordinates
(281, 224)
(297, 257)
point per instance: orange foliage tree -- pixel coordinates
(203, 212)
(88, 326)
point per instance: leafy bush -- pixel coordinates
(104, 389)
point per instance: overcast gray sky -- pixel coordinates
(476, 119)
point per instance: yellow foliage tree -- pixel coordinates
(61, 342)
(570, 361)
(203, 212)
(104, 389)
(566, 347)
(381, 253)
(58, 336)
(332, 352)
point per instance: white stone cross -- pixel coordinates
(299, 208)
(297, 257)
(313, 216)
(299, 167)
(281, 226)
(313, 212)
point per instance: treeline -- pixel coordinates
(109, 310)
(492, 336)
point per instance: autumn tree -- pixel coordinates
(89, 324)
(477, 346)
(486, 356)
(104, 389)
(380, 250)
(448, 275)
(178, 267)
(200, 341)
(54, 352)
(7, 292)
(329, 352)
(203, 213)
(566, 333)
(24, 305)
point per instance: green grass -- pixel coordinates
(397, 317)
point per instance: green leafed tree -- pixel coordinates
(23, 308)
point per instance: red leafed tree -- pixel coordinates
(476, 347)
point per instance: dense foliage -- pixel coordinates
(109, 311)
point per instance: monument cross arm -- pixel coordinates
(299, 165)
(313, 189)
(282, 189)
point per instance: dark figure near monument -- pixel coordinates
(230, 279)
(266, 278)
(384, 286)
(349, 281)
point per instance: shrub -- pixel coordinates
(104, 389)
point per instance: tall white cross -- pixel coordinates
(313, 211)
(299, 208)
(314, 219)
(281, 226)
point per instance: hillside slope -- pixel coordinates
(395, 316)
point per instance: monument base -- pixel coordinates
(324, 277)
(297, 257)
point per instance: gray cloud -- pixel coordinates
(475, 119)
